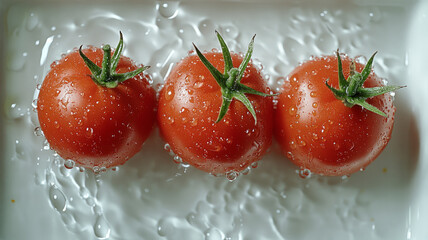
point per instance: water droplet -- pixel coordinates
(187, 33)
(170, 120)
(178, 159)
(230, 31)
(305, 173)
(69, 164)
(102, 228)
(214, 234)
(336, 146)
(57, 199)
(326, 42)
(292, 111)
(15, 112)
(198, 84)
(169, 92)
(89, 132)
(96, 169)
(32, 22)
(254, 164)
(206, 27)
(194, 122)
(168, 9)
(167, 147)
(165, 227)
(231, 175)
(293, 144)
(290, 155)
(38, 132)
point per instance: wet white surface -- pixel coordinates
(151, 197)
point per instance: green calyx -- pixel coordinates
(230, 80)
(106, 75)
(351, 90)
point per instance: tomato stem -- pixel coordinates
(351, 90)
(106, 75)
(230, 80)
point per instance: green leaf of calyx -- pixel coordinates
(351, 90)
(230, 80)
(106, 75)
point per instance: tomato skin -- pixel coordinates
(91, 124)
(318, 132)
(189, 105)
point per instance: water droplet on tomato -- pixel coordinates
(38, 132)
(305, 173)
(293, 145)
(254, 164)
(313, 94)
(290, 155)
(315, 105)
(167, 147)
(194, 122)
(292, 111)
(198, 84)
(336, 146)
(169, 92)
(232, 175)
(314, 136)
(178, 159)
(89, 132)
(170, 120)
(69, 164)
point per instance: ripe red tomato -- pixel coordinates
(94, 125)
(318, 132)
(189, 106)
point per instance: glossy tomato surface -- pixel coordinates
(318, 132)
(91, 124)
(189, 105)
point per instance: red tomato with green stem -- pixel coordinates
(331, 119)
(96, 107)
(214, 113)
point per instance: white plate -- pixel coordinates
(150, 197)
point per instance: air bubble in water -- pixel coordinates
(38, 132)
(57, 198)
(101, 228)
(168, 9)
